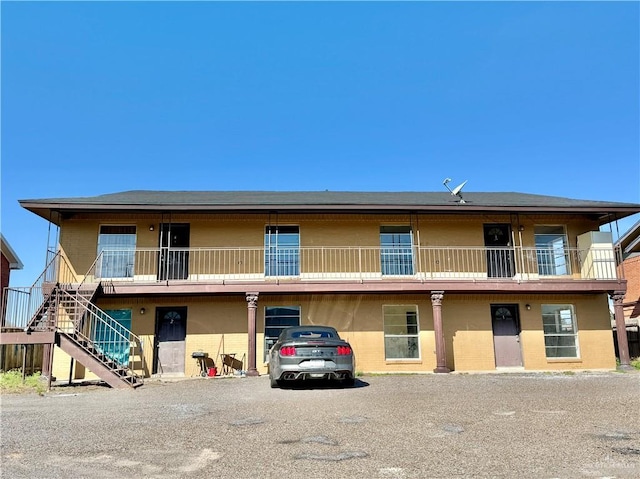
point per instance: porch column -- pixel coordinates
(441, 355)
(621, 329)
(47, 351)
(252, 306)
(47, 363)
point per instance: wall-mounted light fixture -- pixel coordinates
(142, 310)
(151, 227)
(528, 307)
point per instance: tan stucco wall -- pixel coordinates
(219, 326)
(78, 236)
(594, 334)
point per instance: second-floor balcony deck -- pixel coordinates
(355, 265)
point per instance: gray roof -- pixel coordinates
(336, 201)
(10, 254)
(630, 240)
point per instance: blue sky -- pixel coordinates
(100, 97)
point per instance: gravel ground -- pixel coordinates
(418, 426)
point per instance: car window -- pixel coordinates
(312, 335)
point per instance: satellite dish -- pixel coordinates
(458, 188)
(457, 191)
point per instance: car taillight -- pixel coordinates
(288, 351)
(343, 350)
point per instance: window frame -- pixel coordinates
(560, 323)
(386, 314)
(270, 339)
(547, 256)
(281, 259)
(111, 264)
(396, 258)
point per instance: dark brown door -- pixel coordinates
(174, 251)
(506, 335)
(171, 333)
(497, 240)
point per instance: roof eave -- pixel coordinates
(54, 212)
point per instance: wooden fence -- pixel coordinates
(12, 356)
(633, 338)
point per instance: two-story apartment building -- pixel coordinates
(417, 282)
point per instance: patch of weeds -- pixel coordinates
(11, 382)
(635, 364)
(569, 373)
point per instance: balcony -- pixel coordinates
(355, 265)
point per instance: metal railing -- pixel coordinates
(39, 307)
(353, 263)
(91, 325)
(21, 304)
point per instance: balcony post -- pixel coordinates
(252, 306)
(621, 330)
(441, 355)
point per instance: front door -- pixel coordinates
(497, 240)
(174, 251)
(171, 333)
(506, 335)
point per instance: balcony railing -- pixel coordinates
(351, 263)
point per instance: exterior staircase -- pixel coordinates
(63, 313)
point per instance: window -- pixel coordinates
(551, 250)
(313, 335)
(111, 338)
(396, 250)
(401, 332)
(560, 331)
(276, 319)
(282, 251)
(117, 250)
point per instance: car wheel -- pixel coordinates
(274, 383)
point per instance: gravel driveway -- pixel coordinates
(416, 426)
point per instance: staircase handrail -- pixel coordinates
(91, 272)
(20, 305)
(115, 332)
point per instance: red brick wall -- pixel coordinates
(632, 274)
(5, 272)
(4, 281)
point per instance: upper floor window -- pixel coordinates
(551, 250)
(560, 331)
(282, 251)
(401, 339)
(396, 250)
(116, 251)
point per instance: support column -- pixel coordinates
(621, 330)
(47, 350)
(252, 306)
(441, 355)
(47, 363)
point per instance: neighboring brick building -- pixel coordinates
(10, 261)
(10, 355)
(629, 246)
